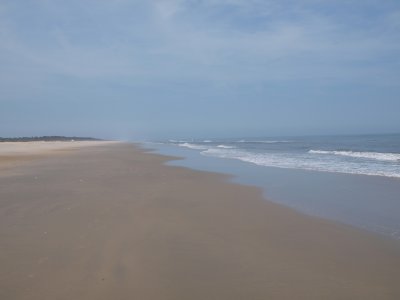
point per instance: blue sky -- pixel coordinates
(192, 68)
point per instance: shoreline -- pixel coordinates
(344, 198)
(115, 221)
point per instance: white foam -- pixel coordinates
(193, 146)
(303, 161)
(176, 141)
(368, 155)
(263, 141)
(225, 147)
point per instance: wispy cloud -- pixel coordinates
(231, 40)
(169, 59)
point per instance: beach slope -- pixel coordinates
(112, 222)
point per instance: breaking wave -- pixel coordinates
(367, 155)
(304, 162)
(193, 146)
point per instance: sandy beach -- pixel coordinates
(100, 220)
(16, 153)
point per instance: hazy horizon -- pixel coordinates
(138, 70)
(209, 137)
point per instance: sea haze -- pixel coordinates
(350, 179)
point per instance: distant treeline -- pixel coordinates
(48, 139)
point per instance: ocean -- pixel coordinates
(350, 179)
(368, 155)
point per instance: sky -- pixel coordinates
(142, 69)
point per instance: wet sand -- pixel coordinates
(113, 222)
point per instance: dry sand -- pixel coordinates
(15, 153)
(112, 222)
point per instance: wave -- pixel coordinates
(287, 161)
(367, 155)
(263, 141)
(371, 163)
(193, 146)
(176, 141)
(203, 147)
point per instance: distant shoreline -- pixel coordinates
(54, 138)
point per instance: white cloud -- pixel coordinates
(201, 40)
(168, 8)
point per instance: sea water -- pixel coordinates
(350, 179)
(368, 155)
